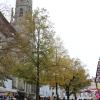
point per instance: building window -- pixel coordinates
(21, 12)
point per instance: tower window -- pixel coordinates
(21, 12)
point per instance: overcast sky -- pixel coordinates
(77, 22)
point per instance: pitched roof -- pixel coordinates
(5, 27)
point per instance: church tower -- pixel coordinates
(22, 7)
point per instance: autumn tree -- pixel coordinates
(53, 72)
(69, 74)
(35, 48)
(81, 77)
(44, 44)
(75, 78)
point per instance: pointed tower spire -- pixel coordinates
(22, 7)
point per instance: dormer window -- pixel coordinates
(21, 12)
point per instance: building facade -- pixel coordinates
(7, 36)
(8, 32)
(22, 8)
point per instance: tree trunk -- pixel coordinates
(67, 93)
(75, 96)
(38, 67)
(37, 86)
(57, 91)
